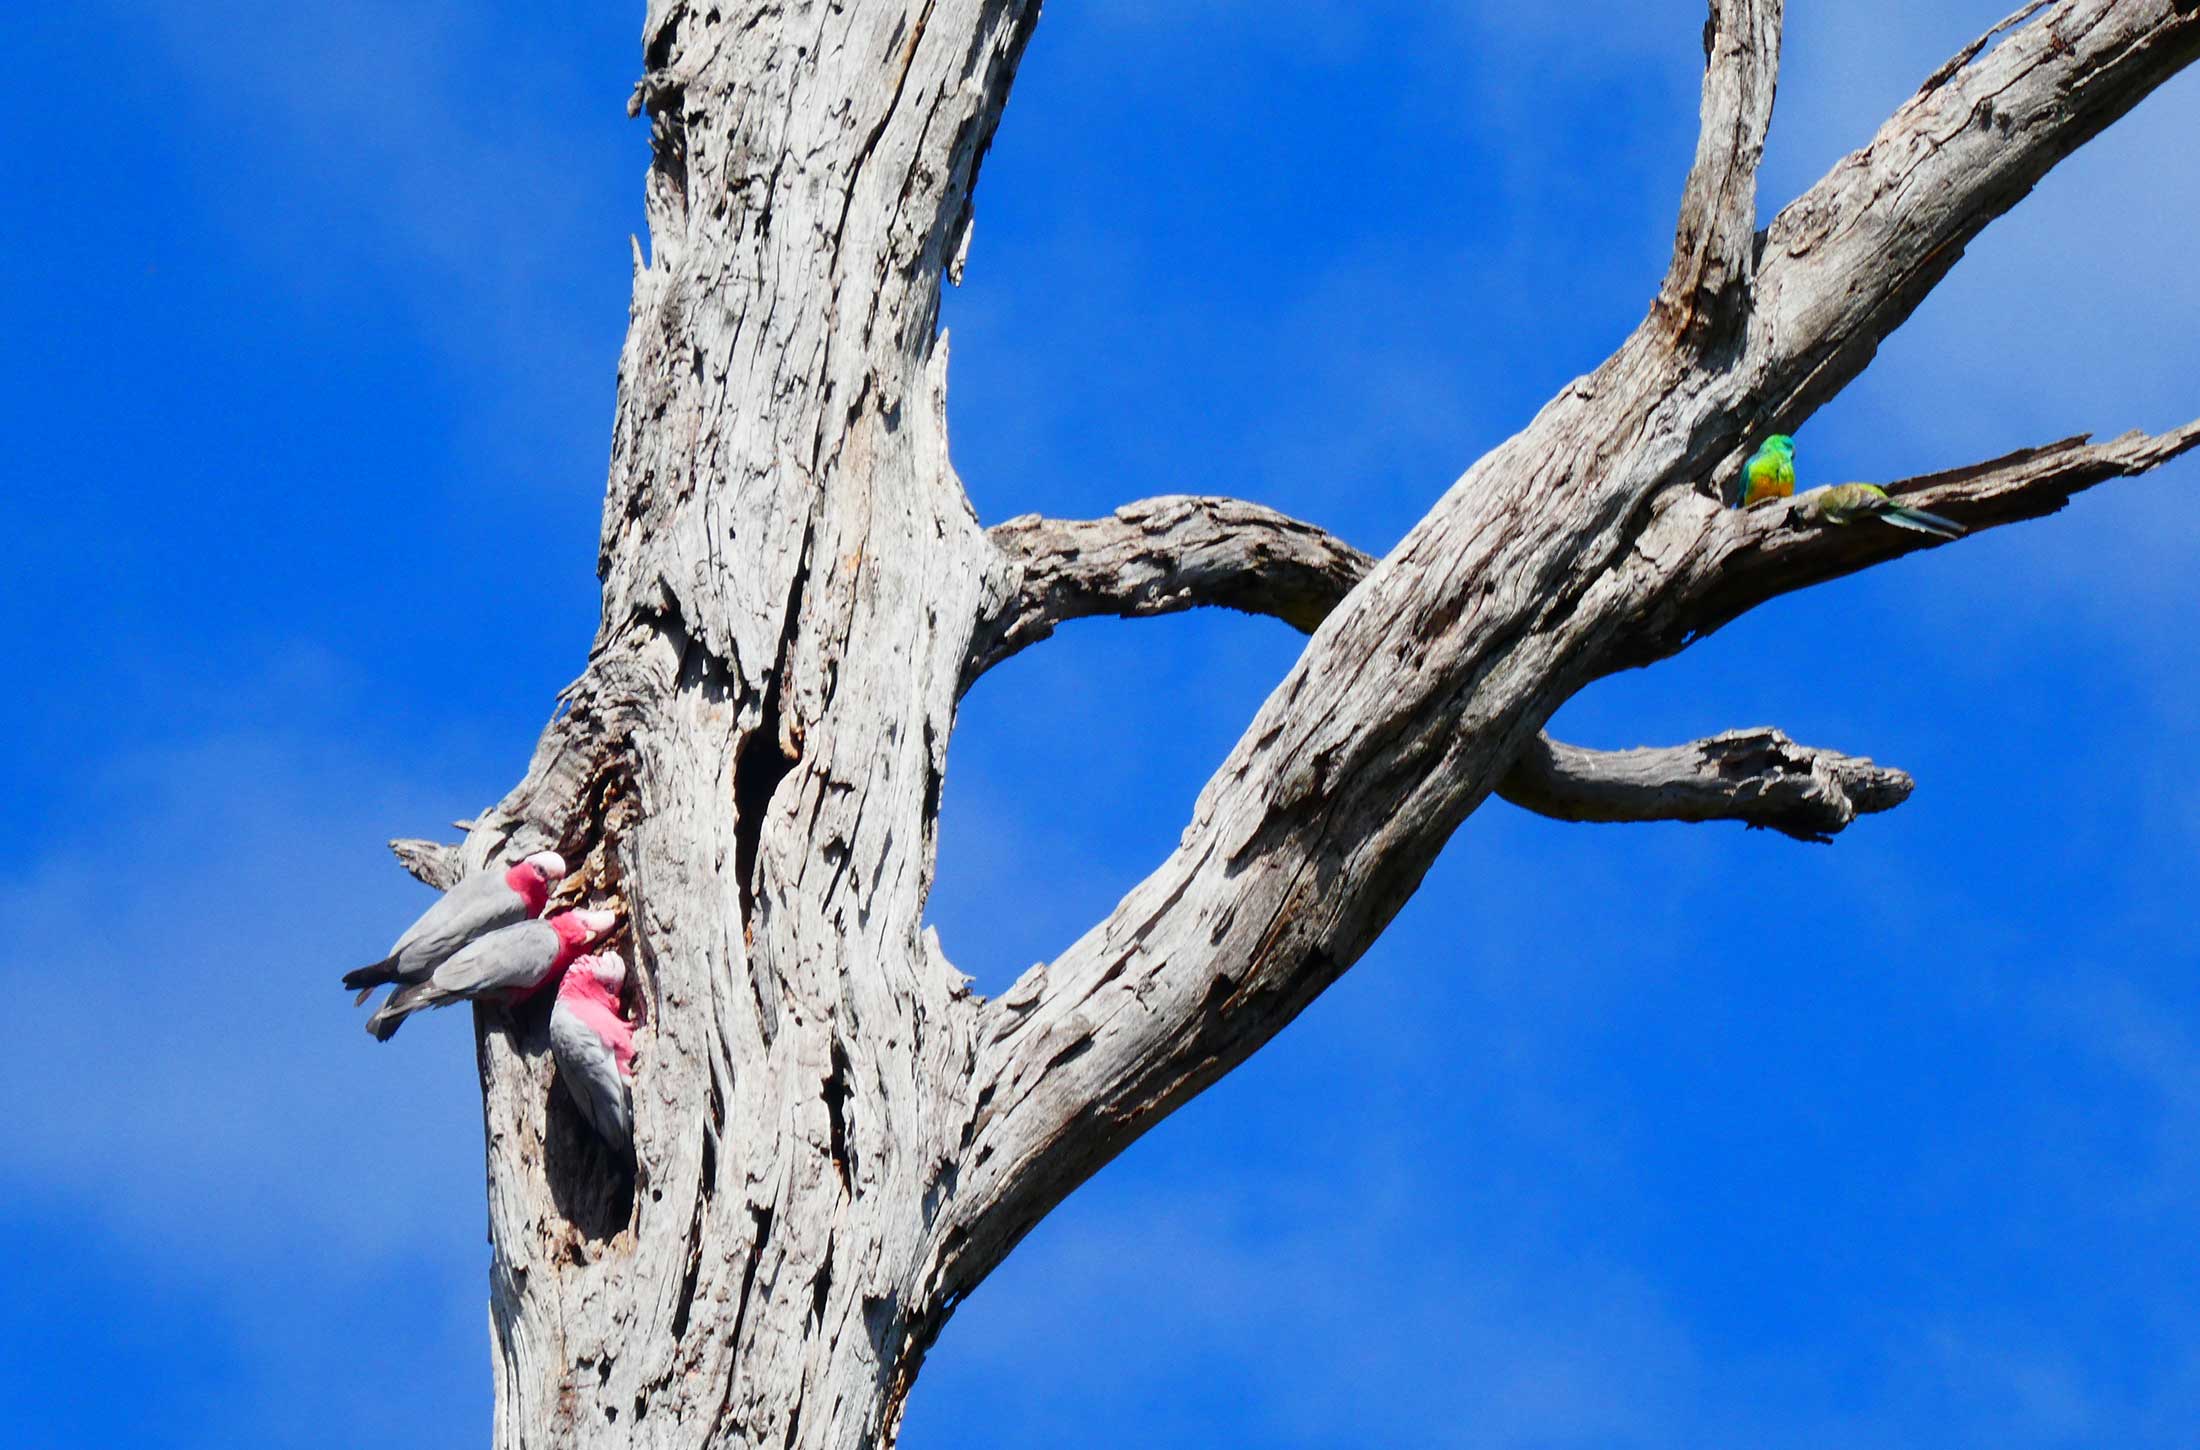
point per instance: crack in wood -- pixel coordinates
(766, 754)
(836, 1094)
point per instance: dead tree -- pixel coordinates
(836, 1138)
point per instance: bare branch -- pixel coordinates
(1844, 264)
(1971, 52)
(1759, 777)
(431, 862)
(1164, 555)
(1706, 292)
(837, 1140)
(1716, 563)
(1417, 695)
(1159, 556)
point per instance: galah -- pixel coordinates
(474, 907)
(1846, 501)
(508, 965)
(1770, 472)
(594, 1046)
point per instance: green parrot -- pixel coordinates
(1770, 472)
(1845, 501)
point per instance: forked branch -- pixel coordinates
(1574, 548)
(1151, 1005)
(1178, 552)
(1712, 563)
(1845, 263)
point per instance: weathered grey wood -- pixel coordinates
(1526, 580)
(430, 861)
(1158, 556)
(834, 1140)
(1845, 263)
(1701, 565)
(1707, 288)
(1161, 555)
(751, 764)
(1758, 777)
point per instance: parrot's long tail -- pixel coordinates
(402, 1003)
(366, 979)
(1924, 522)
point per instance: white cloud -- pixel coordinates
(2077, 312)
(196, 1064)
(194, 1107)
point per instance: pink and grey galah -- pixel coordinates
(508, 965)
(594, 1046)
(473, 908)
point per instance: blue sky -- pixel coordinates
(1651, 1136)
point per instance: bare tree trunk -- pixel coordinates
(836, 1140)
(791, 579)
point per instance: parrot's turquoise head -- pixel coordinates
(1778, 443)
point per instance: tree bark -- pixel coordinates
(835, 1140)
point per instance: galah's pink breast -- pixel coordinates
(589, 1000)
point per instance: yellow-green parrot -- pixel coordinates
(1770, 472)
(1845, 501)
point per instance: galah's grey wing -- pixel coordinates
(513, 956)
(590, 1071)
(475, 906)
(469, 890)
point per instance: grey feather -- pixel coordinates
(590, 1071)
(1923, 522)
(512, 957)
(480, 904)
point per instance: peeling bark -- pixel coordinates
(1758, 777)
(834, 1139)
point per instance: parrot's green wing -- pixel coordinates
(1845, 501)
